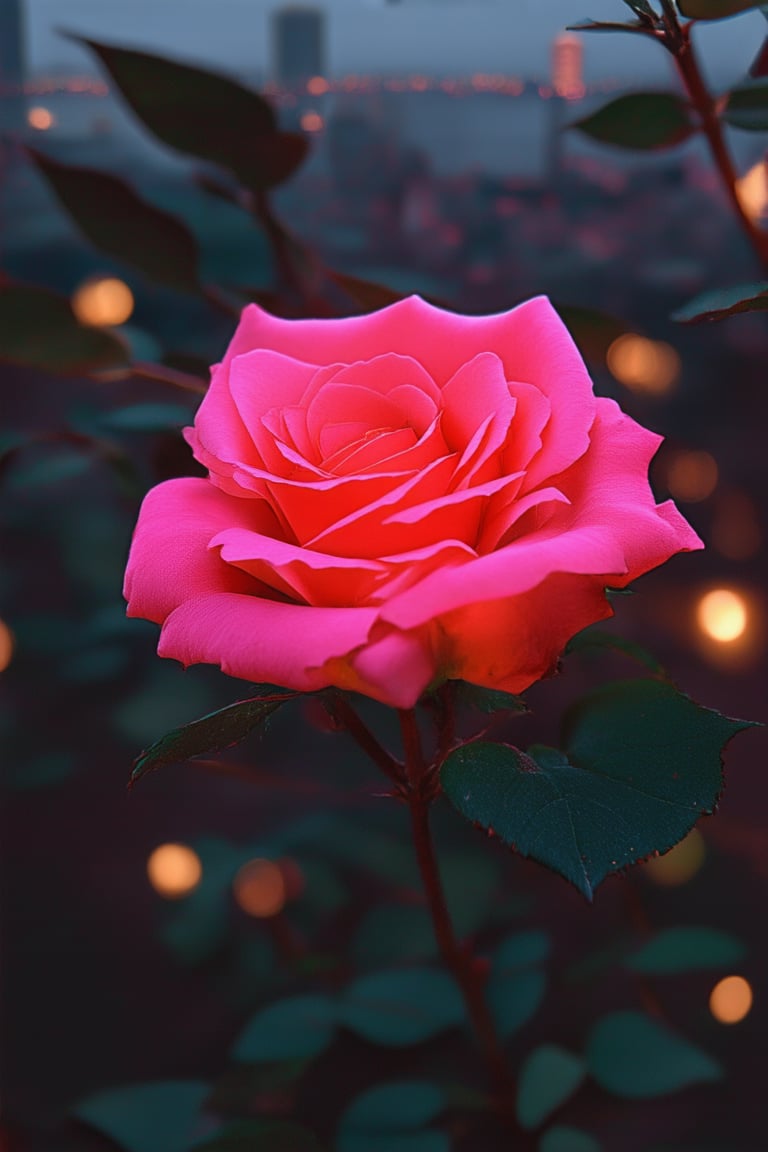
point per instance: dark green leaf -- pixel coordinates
(394, 1116)
(635, 1057)
(298, 1028)
(521, 950)
(212, 733)
(715, 9)
(565, 1139)
(204, 114)
(487, 700)
(605, 26)
(392, 932)
(600, 640)
(156, 1117)
(593, 331)
(747, 107)
(642, 764)
(724, 302)
(759, 67)
(119, 222)
(38, 330)
(646, 121)
(687, 949)
(260, 1136)
(514, 998)
(402, 1006)
(549, 1076)
(146, 418)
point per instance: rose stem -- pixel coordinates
(342, 711)
(421, 791)
(678, 41)
(166, 375)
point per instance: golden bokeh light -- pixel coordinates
(680, 864)
(6, 646)
(41, 119)
(691, 476)
(312, 122)
(731, 999)
(722, 615)
(103, 302)
(259, 888)
(643, 365)
(752, 190)
(317, 85)
(174, 870)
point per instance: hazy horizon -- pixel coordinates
(448, 36)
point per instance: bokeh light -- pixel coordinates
(752, 189)
(317, 85)
(691, 476)
(41, 119)
(102, 302)
(174, 870)
(731, 999)
(6, 646)
(259, 888)
(680, 864)
(312, 122)
(643, 365)
(722, 615)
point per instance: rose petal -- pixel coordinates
(169, 559)
(260, 382)
(477, 390)
(396, 668)
(263, 641)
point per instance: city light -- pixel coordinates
(6, 646)
(567, 67)
(102, 302)
(680, 864)
(752, 191)
(691, 476)
(260, 888)
(174, 870)
(643, 365)
(317, 86)
(312, 122)
(722, 615)
(731, 1000)
(41, 119)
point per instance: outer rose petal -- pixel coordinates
(261, 640)
(169, 559)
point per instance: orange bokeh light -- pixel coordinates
(691, 476)
(722, 615)
(731, 1000)
(317, 85)
(260, 889)
(6, 646)
(174, 870)
(643, 365)
(41, 119)
(103, 302)
(312, 122)
(680, 864)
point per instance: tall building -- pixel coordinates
(11, 63)
(298, 44)
(568, 67)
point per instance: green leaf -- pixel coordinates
(605, 26)
(260, 1136)
(634, 1056)
(119, 222)
(747, 107)
(204, 114)
(565, 1139)
(38, 330)
(157, 1117)
(402, 1006)
(515, 998)
(521, 950)
(686, 950)
(549, 1076)
(642, 763)
(724, 302)
(300, 1027)
(646, 121)
(392, 932)
(715, 9)
(212, 733)
(146, 418)
(487, 700)
(596, 639)
(394, 1116)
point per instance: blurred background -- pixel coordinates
(139, 931)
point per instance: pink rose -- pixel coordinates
(398, 499)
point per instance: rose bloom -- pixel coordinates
(398, 499)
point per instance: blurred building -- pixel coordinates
(568, 67)
(11, 63)
(298, 44)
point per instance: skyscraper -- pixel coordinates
(11, 63)
(298, 44)
(568, 66)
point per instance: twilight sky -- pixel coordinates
(458, 36)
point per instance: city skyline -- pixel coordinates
(513, 36)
